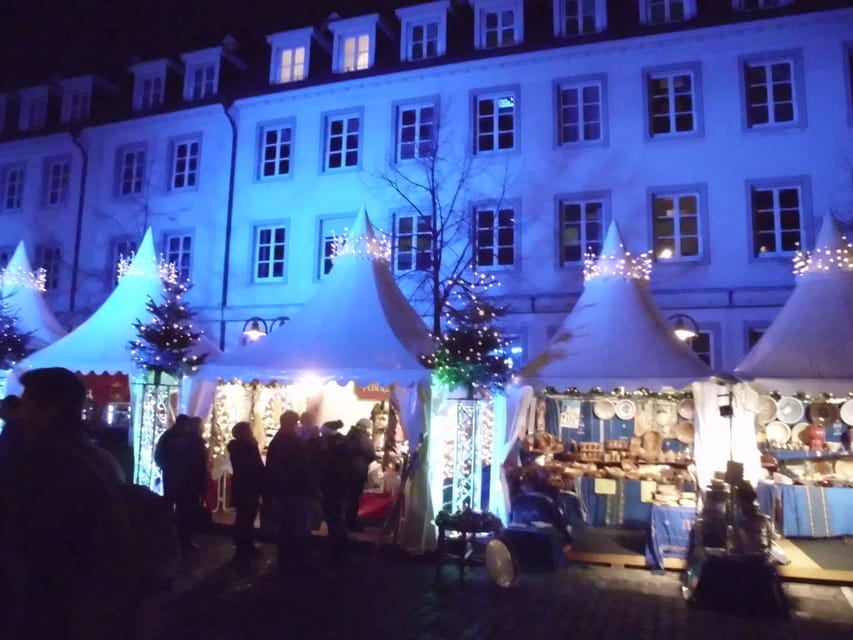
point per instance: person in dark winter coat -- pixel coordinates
(182, 456)
(246, 485)
(331, 463)
(361, 454)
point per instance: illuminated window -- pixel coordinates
(581, 228)
(495, 122)
(414, 244)
(579, 112)
(777, 216)
(495, 236)
(416, 130)
(57, 178)
(770, 92)
(14, 178)
(276, 148)
(269, 253)
(179, 253)
(185, 158)
(329, 229)
(672, 103)
(343, 136)
(291, 65)
(676, 226)
(131, 171)
(50, 260)
(356, 52)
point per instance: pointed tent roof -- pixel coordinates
(99, 345)
(615, 335)
(809, 345)
(27, 301)
(357, 326)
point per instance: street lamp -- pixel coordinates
(685, 327)
(256, 327)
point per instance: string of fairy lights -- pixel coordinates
(15, 276)
(825, 259)
(365, 247)
(618, 265)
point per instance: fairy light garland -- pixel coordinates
(18, 277)
(825, 260)
(157, 268)
(628, 266)
(363, 247)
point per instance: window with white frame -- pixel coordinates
(123, 248)
(416, 131)
(343, 139)
(672, 102)
(78, 105)
(663, 11)
(270, 245)
(356, 52)
(150, 91)
(675, 224)
(423, 40)
(185, 159)
(579, 112)
(497, 28)
(50, 260)
(179, 253)
(14, 179)
(495, 236)
(753, 5)
(414, 244)
(201, 81)
(33, 114)
(131, 171)
(777, 216)
(291, 61)
(581, 228)
(580, 17)
(702, 345)
(276, 150)
(495, 122)
(330, 230)
(57, 180)
(770, 92)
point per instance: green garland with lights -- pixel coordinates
(14, 344)
(164, 343)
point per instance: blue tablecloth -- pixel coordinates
(623, 509)
(816, 512)
(669, 534)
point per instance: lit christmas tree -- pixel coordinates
(13, 343)
(165, 342)
(471, 352)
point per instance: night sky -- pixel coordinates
(44, 38)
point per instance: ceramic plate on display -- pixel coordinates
(685, 408)
(684, 432)
(501, 562)
(778, 432)
(766, 409)
(604, 409)
(625, 409)
(847, 412)
(798, 432)
(789, 409)
(823, 413)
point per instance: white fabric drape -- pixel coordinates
(197, 396)
(412, 403)
(510, 418)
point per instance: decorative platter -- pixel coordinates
(778, 432)
(625, 409)
(789, 409)
(604, 409)
(766, 409)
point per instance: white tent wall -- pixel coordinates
(511, 412)
(720, 439)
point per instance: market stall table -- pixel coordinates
(669, 534)
(816, 512)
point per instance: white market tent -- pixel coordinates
(809, 345)
(21, 293)
(99, 345)
(357, 327)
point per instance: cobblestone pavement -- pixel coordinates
(382, 597)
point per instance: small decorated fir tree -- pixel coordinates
(13, 342)
(165, 343)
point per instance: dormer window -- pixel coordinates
(76, 99)
(756, 5)
(355, 43)
(579, 17)
(200, 82)
(33, 113)
(149, 84)
(152, 92)
(664, 11)
(423, 30)
(291, 55)
(498, 23)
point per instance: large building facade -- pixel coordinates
(715, 133)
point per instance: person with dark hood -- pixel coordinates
(246, 485)
(11, 439)
(182, 457)
(69, 544)
(361, 454)
(290, 486)
(331, 471)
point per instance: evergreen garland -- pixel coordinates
(13, 343)
(165, 342)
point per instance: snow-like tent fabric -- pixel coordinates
(357, 327)
(809, 345)
(615, 336)
(28, 303)
(99, 345)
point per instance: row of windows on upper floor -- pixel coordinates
(771, 88)
(498, 23)
(680, 221)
